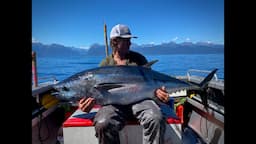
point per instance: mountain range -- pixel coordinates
(58, 50)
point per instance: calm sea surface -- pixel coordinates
(175, 64)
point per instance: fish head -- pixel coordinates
(75, 88)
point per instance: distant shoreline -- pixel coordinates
(57, 50)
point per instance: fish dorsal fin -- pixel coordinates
(149, 64)
(107, 86)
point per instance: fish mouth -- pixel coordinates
(60, 96)
(58, 90)
(55, 94)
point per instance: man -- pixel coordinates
(110, 119)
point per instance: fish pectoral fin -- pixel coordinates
(108, 86)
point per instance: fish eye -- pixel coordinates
(88, 76)
(65, 89)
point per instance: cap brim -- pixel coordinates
(128, 36)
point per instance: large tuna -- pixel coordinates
(120, 84)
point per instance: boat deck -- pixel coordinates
(48, 121)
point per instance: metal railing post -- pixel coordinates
(34, 69)
(106, 39)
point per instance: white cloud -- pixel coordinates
(175, 39)
(187, 39)
(209, 42)
(34, 40)
(84, 47)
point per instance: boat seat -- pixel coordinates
(79, 118)
(79, 129)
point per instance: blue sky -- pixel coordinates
(80, 23)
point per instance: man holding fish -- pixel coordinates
(110, 119)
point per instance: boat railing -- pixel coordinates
(193, 75)
(50, 79)
(46, 80)
(190, 71)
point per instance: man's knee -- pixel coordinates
(102, 124)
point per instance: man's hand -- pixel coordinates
(86, 104)
(162, 94)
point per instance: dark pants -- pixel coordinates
(110, 119)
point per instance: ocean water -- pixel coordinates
(174, 65)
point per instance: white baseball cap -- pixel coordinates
(122, 31)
